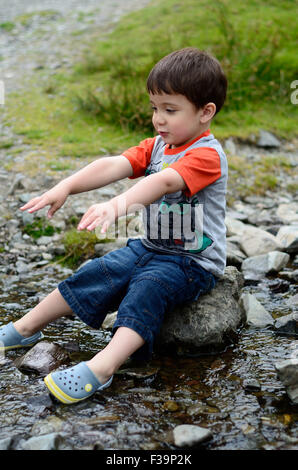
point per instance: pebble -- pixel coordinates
(5, 443)
(256, 267)
(287, 372)
(287, 324)
(46, 442)
(170, 406)
(52, 424)
(251, 385)
(189, 435)
(267, 139)
(256, 314)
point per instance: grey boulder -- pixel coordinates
(210, 323)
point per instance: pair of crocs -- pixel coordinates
(69, 385)
(74, 384)
(11, 339)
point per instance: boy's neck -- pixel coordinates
(199, 135)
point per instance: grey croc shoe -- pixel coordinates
(11, 339)
(74, 384)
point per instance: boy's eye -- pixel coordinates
(171, 111)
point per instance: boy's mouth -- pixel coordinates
(163, 133)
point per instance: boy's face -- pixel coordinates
(176, 119)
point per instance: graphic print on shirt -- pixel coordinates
(176, 220)
(154, 167)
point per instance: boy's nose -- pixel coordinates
(159, 119)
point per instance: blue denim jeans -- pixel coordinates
(141, 284)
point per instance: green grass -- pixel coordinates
(43, 16)
(101, 106)
(255, 42)
(259, 177)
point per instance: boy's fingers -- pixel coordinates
(52, 210)
(38, 206)
(35, 204)
(88, 222)
(29, 204)
(95, 223)
(87, 218)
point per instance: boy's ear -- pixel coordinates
(208, 112)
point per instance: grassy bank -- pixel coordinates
(254, 41)
(101, 105)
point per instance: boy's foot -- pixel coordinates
(74, 384)
(10, 338)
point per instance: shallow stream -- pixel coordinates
(147, 401)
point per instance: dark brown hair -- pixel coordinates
(192, 73)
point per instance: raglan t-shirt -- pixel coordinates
(190, 222)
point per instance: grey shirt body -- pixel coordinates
(192, 226)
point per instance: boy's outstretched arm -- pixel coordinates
(143, 193)
(95, 175)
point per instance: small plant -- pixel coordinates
(6, 144)
(264, 183)
(124, 103)
(39, 228)
(7, 26)
(292, 188)
(79, 246)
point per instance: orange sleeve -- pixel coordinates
(199, 168)
(139, 156)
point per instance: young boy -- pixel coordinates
(185, 173)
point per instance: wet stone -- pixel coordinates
(287, 372)
(287, 325)
(251, 385)
(139, 373)
(257, 315)
(42, 358)
(40, 405)
(5, 443)
(50, 441)
(46, 426)
(170, 405)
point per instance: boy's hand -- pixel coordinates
(55, 198)
(103, 214)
